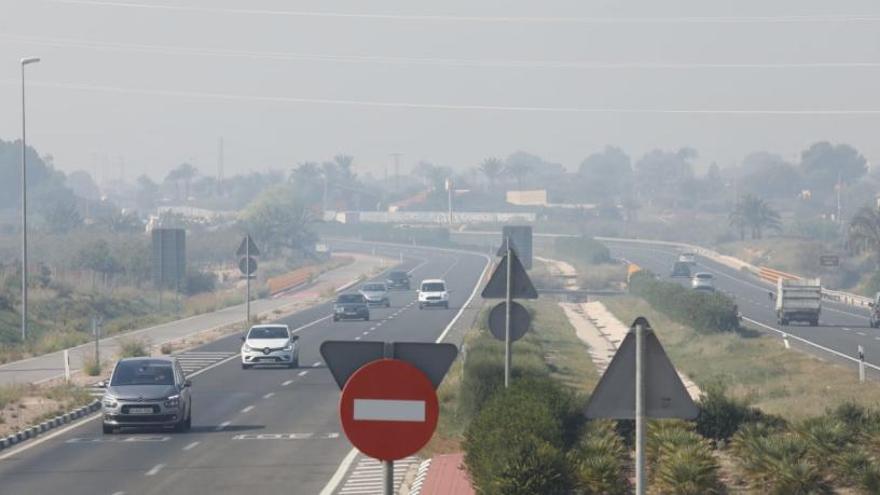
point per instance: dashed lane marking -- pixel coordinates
(316, 364)
(357, 338)
(155, 470)
(269, 395)
(288, 382)
(120, 439)
(286, 436)
(302, 373)
(223, 425)
(247, 409)
(191, 446)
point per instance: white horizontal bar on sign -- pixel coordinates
(389, 410)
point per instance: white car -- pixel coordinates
(269, 344)
(433, 292)
(689, 258)
(703, 281)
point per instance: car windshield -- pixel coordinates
(704, 276)
(268, 333)
(374, 287)
(433, 287)
(397, 276)
(143, 372)
(350, 298)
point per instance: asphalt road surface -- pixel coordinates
(841, 327)
(254, 431)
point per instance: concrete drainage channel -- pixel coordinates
(34, 431)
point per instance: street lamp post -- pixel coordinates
(24, 263)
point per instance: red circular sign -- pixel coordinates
(389, 409)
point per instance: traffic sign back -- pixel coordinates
(344, 357)
(519, 321)
(665, 394)
(247, 247)
(521, 285)
(389, 409)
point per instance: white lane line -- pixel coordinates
(248, 409)
(191, 446)
(302, 373)
(288, 382)
(223, 425)
(118, 493)
(154, 470)
(862, 334)
(269, 395)
(357, 338)
(316, 364)
(367, 333)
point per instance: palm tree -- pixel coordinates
(492, 168)
(755, 214)
(864, 231)
(344, 164)
(184, 172)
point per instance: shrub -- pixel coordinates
(166, 348)
(681, 462)
(132, 348)
(721, 416)
(584, 250)
(516, 443)
(599, 461)
(705, 312)
(91, 366)
(197, 282)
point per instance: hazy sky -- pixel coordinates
(136, 82)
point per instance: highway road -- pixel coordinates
(254, 431)
(842, 328)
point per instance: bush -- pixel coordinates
(166, 348)
(91, 366)
(516, 444)
(132, 348)
(599, 461)
(584, 250)
(681, 462)
(198, 282)
(721, 416)
(705, 312)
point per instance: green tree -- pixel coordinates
(96, 256)
(608, 173)
(183, 173)
(824, 164)
(62, 217)
(519, 170)
(864, 231)
(756, 215)
(279, 219)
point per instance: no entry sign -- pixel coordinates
(389, 409)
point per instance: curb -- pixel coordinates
(34, 431)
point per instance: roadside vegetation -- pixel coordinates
(596, 269)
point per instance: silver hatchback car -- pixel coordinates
(376, 294)
(147, 391)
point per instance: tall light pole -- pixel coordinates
(24, 263)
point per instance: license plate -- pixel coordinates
(140, 410)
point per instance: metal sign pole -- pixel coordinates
(861, 364)
(507, 350)
(97, 339)
(247, 258)
(640, 410)
(388, 477)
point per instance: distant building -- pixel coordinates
(536, 197)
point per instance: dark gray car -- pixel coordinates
(147, 391)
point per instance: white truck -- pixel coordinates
(798, 300)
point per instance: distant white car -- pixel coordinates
(689, 258)
(269, 344)
(433, 292)
(703, 281)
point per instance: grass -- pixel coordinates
(551, 344)
(133, 348)
(788, 383)
(10, 394)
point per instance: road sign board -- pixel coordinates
(247, 266)
(521, 285)
(344, 357)
(245, 250)
(520, 320)
(666, 397)
(521, 239)
(389, 409)
(829, 260)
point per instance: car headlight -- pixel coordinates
(109, 402)
(172, 402)
(338, 309)
(246, 348)
(289, 346)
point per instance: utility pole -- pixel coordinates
(24, 253)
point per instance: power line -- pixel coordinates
(844, 18)
(446, 62)
(453, 106)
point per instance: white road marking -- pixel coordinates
(302, 373)
(357, 338)
(269, 395)
(248, 409)
(286, 436)
(223, 425)
(316, 364)
(154, 470)
(118, 493)
(288, 382)
(862, 334)
(367, 333)
(191, 446)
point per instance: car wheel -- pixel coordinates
(446, 305)
(187, 424)
(387, 304)
(367, 318)
(421, 306)
(295, 363)
(245, 366)
(107, 429)
(335, 318)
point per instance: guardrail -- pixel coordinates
(773, 276)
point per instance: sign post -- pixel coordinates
(248, 266)
(640, 383)
(507, 300)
